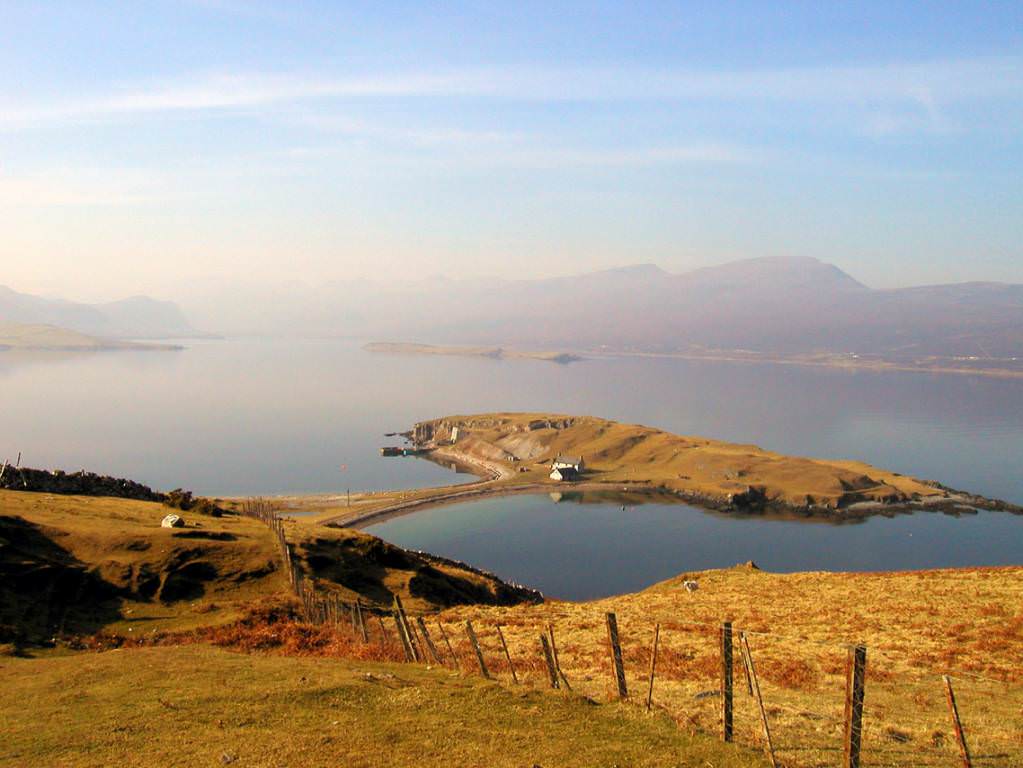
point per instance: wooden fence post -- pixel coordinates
(653, 668)
(444, 636)
(747, 662)
(476, 647)
(957, 724)
(406, 629)
(768, 744)
(557, 660)
(726, 681)
(417, 641)
(617, 666)
(427, 640)
(855, 675)
(405, 645)
(549, 658)
(383, 630)
(507, 655)
(362, 621)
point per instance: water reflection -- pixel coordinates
(583, 546)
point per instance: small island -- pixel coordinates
(495, 353)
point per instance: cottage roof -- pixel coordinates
(562, 459)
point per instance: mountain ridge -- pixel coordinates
(778, 305)
(132, 317)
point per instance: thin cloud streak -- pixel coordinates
(78, 187)
(926, 85)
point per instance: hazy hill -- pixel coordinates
(770, 305)
(135, 317)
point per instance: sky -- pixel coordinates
(149, 146)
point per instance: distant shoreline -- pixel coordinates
(111, 347)
(834, 362)
(963, 366)
(40, 337)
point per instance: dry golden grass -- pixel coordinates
(917, 626)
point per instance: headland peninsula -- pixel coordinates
(514, 452)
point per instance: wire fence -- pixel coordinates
(806, 704)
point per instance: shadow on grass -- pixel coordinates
(44, 590)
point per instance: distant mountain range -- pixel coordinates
(139, 317)
(765, 307)
(781, 306)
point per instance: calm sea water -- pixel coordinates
(579, 551)
(265, 417)
(235, 417)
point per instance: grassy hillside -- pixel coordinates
(78, 564)
(355, 564)
(197, 706)
(917, 626)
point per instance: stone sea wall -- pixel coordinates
(75, 483)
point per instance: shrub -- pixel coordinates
(185, 501)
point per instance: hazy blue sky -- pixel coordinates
(147, 143)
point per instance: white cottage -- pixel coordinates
(569, 462)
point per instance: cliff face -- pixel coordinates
(431, 434)
(504, 439)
